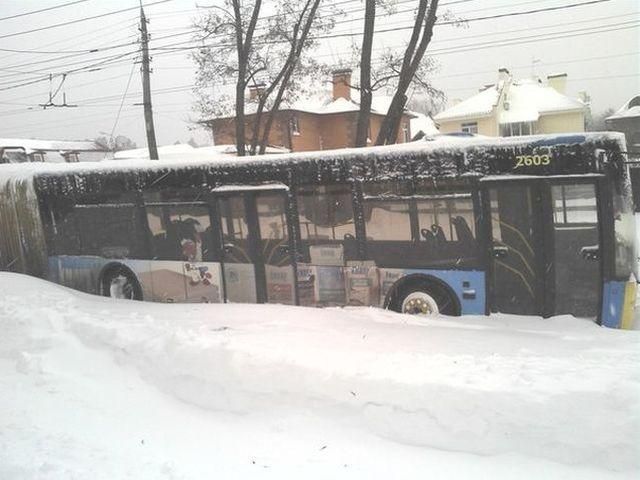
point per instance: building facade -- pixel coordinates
(522, 107)
(312, 125)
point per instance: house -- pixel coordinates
(20, 150)
(313, 124)
(517, 107)
(627, 121)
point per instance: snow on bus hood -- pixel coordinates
(96, 388)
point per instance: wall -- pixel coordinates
(486, 126)
(561, 123)
(317, 132)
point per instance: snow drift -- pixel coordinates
(236, 390)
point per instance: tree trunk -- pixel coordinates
(244, 48)
(362, 129)
(413, 56)
(288, 68)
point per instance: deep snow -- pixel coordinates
(102, 389)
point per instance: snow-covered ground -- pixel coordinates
(92, 388)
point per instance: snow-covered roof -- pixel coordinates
(423, 123)
(228, 149)
(443, 144)
(31, 145)
(628, 110)
(517, 101)
(163, 150)
(322, 104)
(480, 105)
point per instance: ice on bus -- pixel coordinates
(536, 225)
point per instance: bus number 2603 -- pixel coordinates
(532, 160)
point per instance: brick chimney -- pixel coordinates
(341, 83)
(503, 74)
(255, 91)
(558, 82)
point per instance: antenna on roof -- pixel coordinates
(534, 61)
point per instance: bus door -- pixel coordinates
(257, 265)
(544, 237)
(515, 235)
(575, 280)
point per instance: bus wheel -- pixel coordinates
(426, 298)
(120, 282)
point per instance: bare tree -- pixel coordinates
(420, 38)
(268, 53)
(366, 93)
(244, 38)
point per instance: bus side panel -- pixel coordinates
(618, 304)
(79, 273)
(22, 243)
(468, 285)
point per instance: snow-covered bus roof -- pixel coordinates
(441, 145)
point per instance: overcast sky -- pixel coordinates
(599, 52)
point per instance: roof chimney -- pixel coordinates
(342, 83)
(256, 91)
(503, 74)
(558, 82)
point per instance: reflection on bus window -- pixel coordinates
(271, 217)
(575, 204)
(233, 219)
(387, 220)
(325, 212)
(624, 229)
(180, 232)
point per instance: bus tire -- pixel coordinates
(118, 281)
(424, 296)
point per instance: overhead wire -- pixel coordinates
(47, 9)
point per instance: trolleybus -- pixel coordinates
(537, 225)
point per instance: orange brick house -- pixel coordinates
(311, 124)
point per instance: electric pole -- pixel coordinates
(146, 90)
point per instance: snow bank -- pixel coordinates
(117, 389)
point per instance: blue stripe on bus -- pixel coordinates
(612, 303)
(468, 285)
(559, 140)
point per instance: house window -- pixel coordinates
(517, 128)
(469, 127)
(294, 125)
(405, 133)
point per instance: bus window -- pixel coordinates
(181, 232)
(447, 220)
(325, 213)
(327, 226)
(109, 231)
(387, 220)
(624, 229)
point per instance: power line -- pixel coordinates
(124, 95)
(395, 29)
(42, 10)
(71, 22)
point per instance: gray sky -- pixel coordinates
(600, 52)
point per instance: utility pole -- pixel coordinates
(146, 90)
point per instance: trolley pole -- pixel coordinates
(146, 90)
